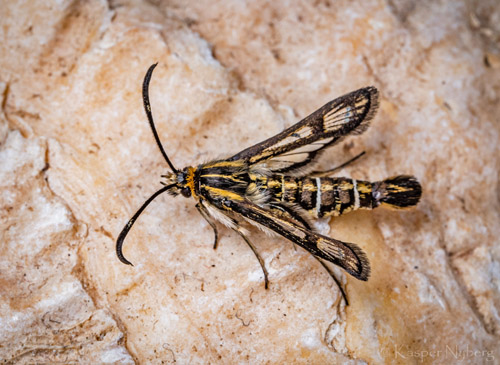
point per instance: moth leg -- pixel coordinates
(298, 218)
(205, 214)
(233, 224)
(329, 172)
(261, 261)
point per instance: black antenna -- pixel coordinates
(130, 223)
(147, 108)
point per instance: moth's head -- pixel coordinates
(181, 182)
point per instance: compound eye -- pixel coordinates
(186, 192)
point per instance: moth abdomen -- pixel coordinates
(335, 196)
(327, 196)
(402, 191)
(320, 196)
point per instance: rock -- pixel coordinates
(77, 159)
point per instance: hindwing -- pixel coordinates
(346, 255)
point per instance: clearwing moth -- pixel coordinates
(271, 186)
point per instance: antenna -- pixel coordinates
(130, 223)
(147, 108)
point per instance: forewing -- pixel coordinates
(346, 255)
(300, 144)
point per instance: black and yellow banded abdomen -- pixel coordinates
(328, 196)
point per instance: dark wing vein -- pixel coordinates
(323, 128)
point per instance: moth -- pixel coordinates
(271, 184)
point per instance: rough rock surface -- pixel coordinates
(77, 159)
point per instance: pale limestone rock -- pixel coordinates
(77, 159)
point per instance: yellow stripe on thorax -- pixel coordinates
(236, 163)
(223, 193)
(228, 177)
